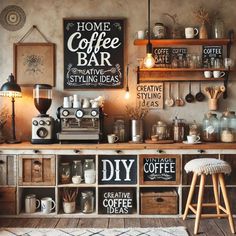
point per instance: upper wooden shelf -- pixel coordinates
(180, 69)
(211, 42)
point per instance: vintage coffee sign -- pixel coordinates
(150, 95)
(159, 169)
(116, 201)
(93, 53)
(117, 169)
(162, 56)
(210, 53)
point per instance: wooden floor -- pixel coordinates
(207, 227)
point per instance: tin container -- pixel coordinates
(137, 130)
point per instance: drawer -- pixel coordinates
(38, 170)
(8, 201)
(159, 203)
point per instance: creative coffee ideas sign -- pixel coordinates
(93, 53)
(150, 95)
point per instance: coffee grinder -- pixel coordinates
(42, 125)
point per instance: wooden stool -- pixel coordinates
(216, 168)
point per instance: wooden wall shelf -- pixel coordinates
(181, 69)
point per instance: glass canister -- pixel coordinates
(65, 173)
(160, 129)
(210, 127)
(178, 130)
(228, 127)
(77, 168)
(87, 202)
(119, 130)
(218, 28)
(194, 129)
(89, 164)
(159, 30)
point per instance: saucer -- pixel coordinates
(186, 142)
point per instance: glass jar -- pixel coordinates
(89, 164)
(210, 127)
(193, 129)
(228, 127)
(65, 173)
(159, 31)
(77, 168)
(178, 130)
(218, 29)
(160, 129)
(87, 202)
(119, 130)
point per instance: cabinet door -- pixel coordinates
(7, 201)
(7, 170)
(37, 170)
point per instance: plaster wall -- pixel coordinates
(48, 15)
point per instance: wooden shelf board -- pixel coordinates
(181, 69)
(144, 80)
(81, 185)
(160, 42)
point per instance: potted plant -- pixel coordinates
(69, 196)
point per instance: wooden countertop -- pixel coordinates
(116, 146)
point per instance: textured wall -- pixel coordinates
(48, 14)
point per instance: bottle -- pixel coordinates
(210, 127)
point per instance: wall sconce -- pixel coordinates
(127, 83)
(149, 61)
(11, 89)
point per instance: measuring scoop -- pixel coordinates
(169, 101)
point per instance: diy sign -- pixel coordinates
(93, 53)
(116, 201)
(162, 57)
(209, 53)
(159, 169)
(150, 95)
(117, 169)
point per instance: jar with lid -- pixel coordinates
(87, 202)
(119, 130)
(77, 168)
(65, 172)
(178, 130)
(218, 28)
(228, 127)
(159, 30)
(160, 130)
(89, 164)
(194, 129)
(210, 127)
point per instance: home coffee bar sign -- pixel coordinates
(93, 53)
(150, 95)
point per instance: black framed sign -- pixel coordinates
(210, 53)
(93, 53)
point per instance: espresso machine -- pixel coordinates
(80, 124)
(42, 125)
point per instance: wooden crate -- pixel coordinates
(159, 203)
(36, 170)
(7, 170)
(7, 201)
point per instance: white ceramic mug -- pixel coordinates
(66, 102)
(140, 34)
(207, 74)
(193, 138)
(190, 32)
(218, 74)
(136, 138)
(89, 176)
(112, 138)
(47, 205)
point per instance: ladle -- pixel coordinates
(179, 101)
(200, 96)
(169, 101)
(189, 97)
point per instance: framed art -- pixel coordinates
(34, 63)
(93, 53)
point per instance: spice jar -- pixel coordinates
(228, 127)
(87, 202)
(159, 31)
(178, 129)
(119, 130)
(210, 127)
(65, 173)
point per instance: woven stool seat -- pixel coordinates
(207, 166)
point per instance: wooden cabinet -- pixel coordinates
(37, 170)
(7, 170)
(8, 201)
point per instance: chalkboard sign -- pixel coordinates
(162, 57)
(159, 169)
(116, 200)
(177, 52)
(150, 95)
(93, 53)
(117, 169)
(209, 52)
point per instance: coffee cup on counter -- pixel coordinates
(193, 138)
(218, 74)
(208, 74)
(47, 205)
(191, 32)
(112, 138)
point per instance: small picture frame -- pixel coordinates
(34, 63)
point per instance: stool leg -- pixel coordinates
(199, 203)
(226, 200)
(215, 187)
(190, 195)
